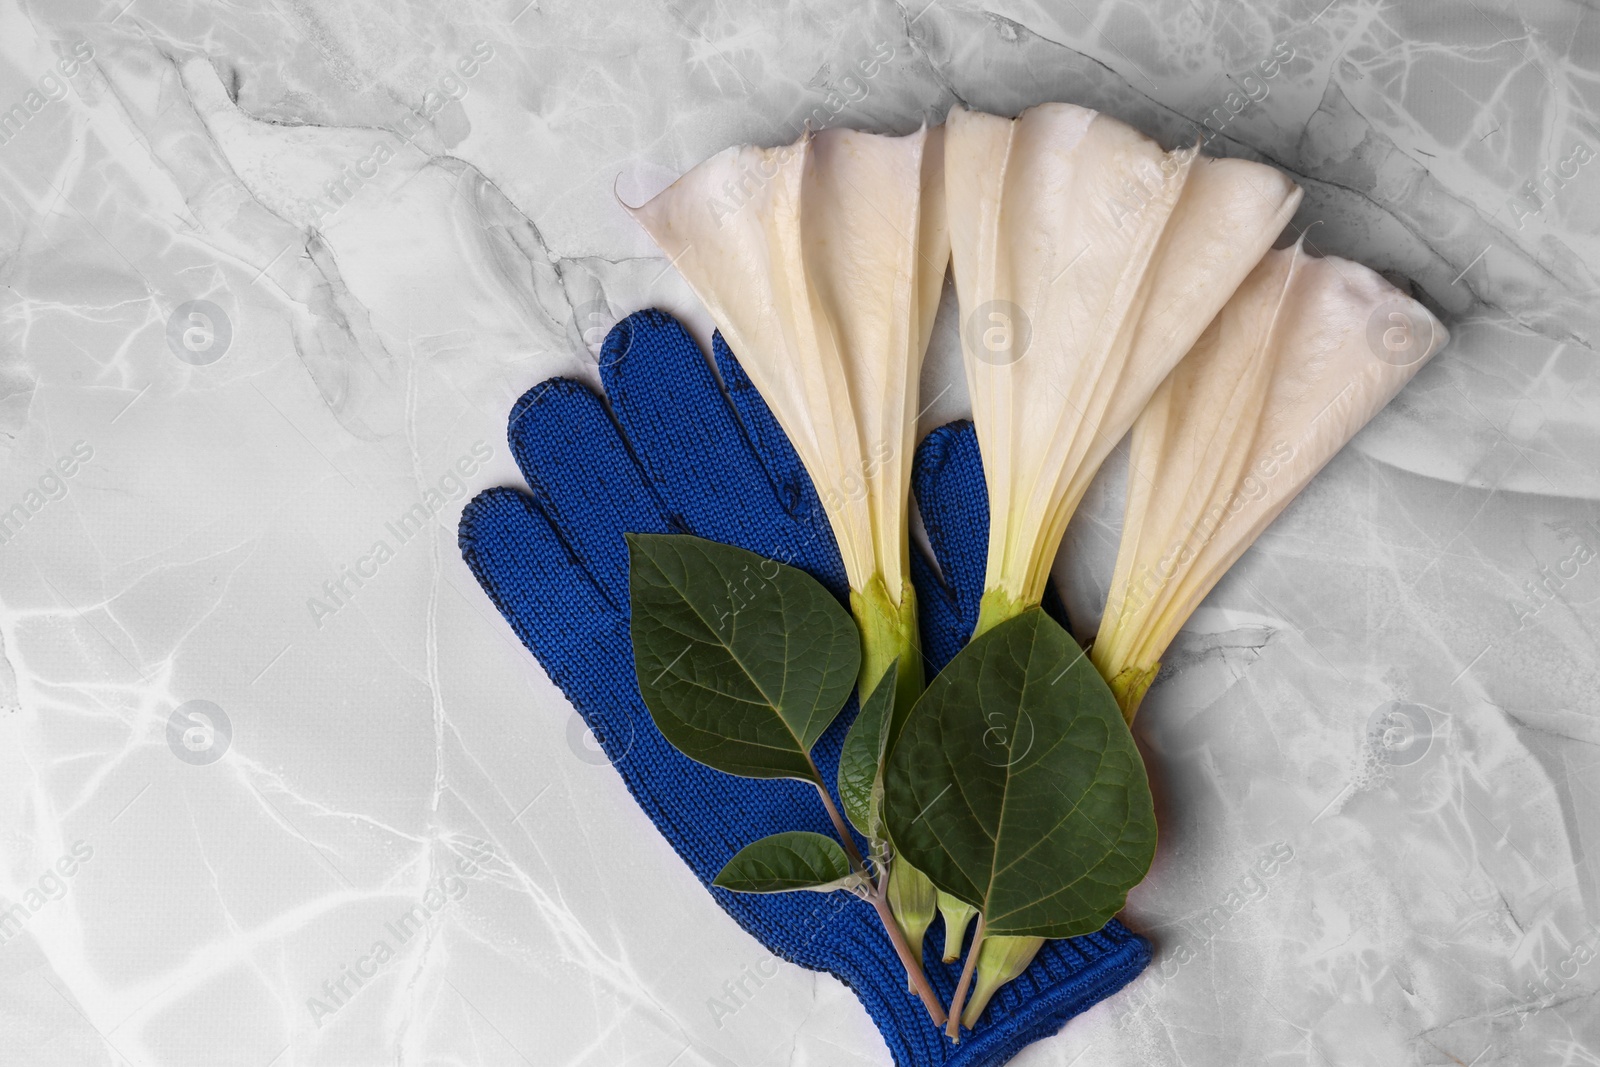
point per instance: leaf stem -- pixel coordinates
(839, 826)
(953, 1028)
(880, 904)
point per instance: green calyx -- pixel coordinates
(913, 900)
(1000, 959)
(1129, 686)
(996, 607)
(958, 915)
(888, 628)
(889, 643)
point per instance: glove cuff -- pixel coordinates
(1066, 978)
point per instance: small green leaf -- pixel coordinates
(742, 661)
(1017, 787)
(798, 859)
(861, 759)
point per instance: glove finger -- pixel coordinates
(531, 574)
(815, 551)
(941, 629)
(947, 479)
(778, 456)
(584, 480)
(690, 443)
(530, 571)
(524, 564)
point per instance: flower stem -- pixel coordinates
(888, 628)
(952, 1028)
(876, 897)
(919, 980)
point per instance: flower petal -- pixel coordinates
(821, 263)
(1304, 355)
(1087, 261)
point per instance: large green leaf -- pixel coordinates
(797, 859)
(1017, 787)
(742, 661)
(861, 759)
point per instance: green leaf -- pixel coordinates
(1017, 787)
(861, 759)
(798, 859)
(742, 661)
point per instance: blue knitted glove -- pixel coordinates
(675, 453)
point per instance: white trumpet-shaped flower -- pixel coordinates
(1304, 354)
(821, 263)
(1087, 261)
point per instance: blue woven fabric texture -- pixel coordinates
(671, 450)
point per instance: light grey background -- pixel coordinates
(1396, 689)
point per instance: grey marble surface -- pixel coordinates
(1375, 745)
